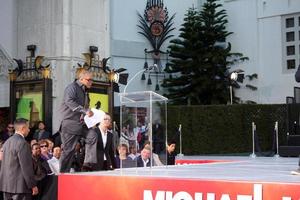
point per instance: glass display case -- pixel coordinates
(143, 122)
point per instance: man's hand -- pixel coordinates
(35, 190)
(89, 113)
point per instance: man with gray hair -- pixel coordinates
(73, 109)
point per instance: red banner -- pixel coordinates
(91, 187)
(187, 161)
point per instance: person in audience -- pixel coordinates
(54, 161)
(50, 147)
(141, 134)
(17, 182)
(132, 136)
(41, 133)
(133, 152)
(168, 157)
(45, 155)
(8, 132)
(124, 139)
(102, 157)
(158, 137)
(33, 141)
(143, 160)
(155, 157)
(40, 168)
(123, 160)
(74, 107)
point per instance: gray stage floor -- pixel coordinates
(259, 169)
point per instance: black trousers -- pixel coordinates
(19, 196)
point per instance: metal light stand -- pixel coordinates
(180, 141)
(253, 155)
(276, 135)
(231, 98)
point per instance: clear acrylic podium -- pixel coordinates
(143, 121)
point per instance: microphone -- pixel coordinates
(179, 129)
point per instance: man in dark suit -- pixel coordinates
(75, 105)
(143, 160)
(102, 157)
(16, 175)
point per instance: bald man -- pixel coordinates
(100, 147)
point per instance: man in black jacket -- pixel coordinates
(75, 105)
(143, 160)
(99, 151)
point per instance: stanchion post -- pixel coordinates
(180, 141)
(253, 155)
(276, 136)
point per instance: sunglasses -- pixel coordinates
(89, 79)
(10, 127)
(43, 146)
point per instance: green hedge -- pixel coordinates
(226, 129)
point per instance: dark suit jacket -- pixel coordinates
(108, 150)
(16, 175)
(74, 106)
(140, 163)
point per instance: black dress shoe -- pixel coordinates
(87, 167)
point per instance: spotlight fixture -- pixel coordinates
(93, 49)
(149, 80)
(157, 87)
(143, 77)
(32, 49)
(235, 76)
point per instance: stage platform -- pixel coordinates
(213, 178)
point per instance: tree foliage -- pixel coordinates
(200, 58)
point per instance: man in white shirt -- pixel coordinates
(143, 160)
(54, 161)
(104, 153)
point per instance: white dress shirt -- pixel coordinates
(104, 140)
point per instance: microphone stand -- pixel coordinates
(180, 141)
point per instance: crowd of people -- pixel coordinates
(46, 152)
(30, 156)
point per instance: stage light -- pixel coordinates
(118, 78)
(93, 49)
(149, 81)
(235, 76)
(32, 49)
(143, 77)
(157, 87)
